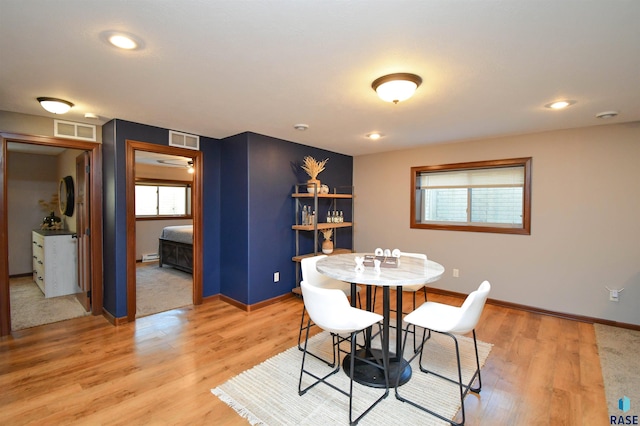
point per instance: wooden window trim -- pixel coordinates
(526, 219)
(165, 182)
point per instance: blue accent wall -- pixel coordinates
(260, 212)
(114, 136)
(247, 206)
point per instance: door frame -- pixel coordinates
(196, 193)
(95, 225)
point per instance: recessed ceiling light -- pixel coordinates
(122, 40)
(374, 136)
(560, 104)
(607, 114)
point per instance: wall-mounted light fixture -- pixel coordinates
(55, 105)
(396, 87)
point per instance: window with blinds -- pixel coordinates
(170, 199)
(487, 196)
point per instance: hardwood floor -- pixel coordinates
(159, 370)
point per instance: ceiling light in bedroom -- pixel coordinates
(55, 105)
(374, 136)
(396, 87)
(190, 168)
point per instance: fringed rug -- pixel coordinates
(267, 394)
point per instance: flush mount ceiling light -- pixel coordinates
(301, 127)
(559, 104)
(396, 87)
(55, 105)
(122, 40)
(190, 168)
(374, 135)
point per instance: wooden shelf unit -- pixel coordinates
(303, 197)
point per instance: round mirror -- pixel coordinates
(65, 196)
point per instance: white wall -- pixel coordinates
(585, 227)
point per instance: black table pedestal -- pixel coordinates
(372, 376)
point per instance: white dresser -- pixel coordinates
(55, 262)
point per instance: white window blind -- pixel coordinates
(472, 197)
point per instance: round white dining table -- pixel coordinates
(410, 271)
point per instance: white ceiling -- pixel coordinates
(218, 68)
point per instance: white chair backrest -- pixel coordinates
(310, 274)
(472, 309)
(327, 308)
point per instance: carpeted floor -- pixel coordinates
(618, 349)
(161, 289)
(29, 308)
(157, 290)
(268, 393)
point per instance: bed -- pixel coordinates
(176, 247)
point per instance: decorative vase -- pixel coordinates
(327, 246)
(313, 185)
(51, 220)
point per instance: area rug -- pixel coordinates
(161, 289)
(618, 349)
(29, 307)
(268, 393)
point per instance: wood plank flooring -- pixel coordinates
(159, 370)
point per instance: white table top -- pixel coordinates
(410, 271)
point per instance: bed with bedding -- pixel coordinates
(176, 247)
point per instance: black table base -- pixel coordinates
(372, 376)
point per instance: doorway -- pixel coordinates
(94, 226)
(195, 157)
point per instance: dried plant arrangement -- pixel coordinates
(327, 233)
(313, 167)
(51, 205)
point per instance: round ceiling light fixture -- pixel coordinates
(374, 135)
(607, 114)
(301, 127)
(122, 40)
(560, 104)
(396, 87)
(55, 105)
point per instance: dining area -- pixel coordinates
(388, 351)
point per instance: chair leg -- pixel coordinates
(464, 388)
(302, 327)
(302, 391)
(385, 368)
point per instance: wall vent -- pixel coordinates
(71, 130)
(184, 140)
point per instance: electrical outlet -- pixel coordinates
(276, 277)
(456, 273)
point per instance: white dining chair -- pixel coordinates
(330, 310)
(451, 321)
(410, 289)
(311, 275)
